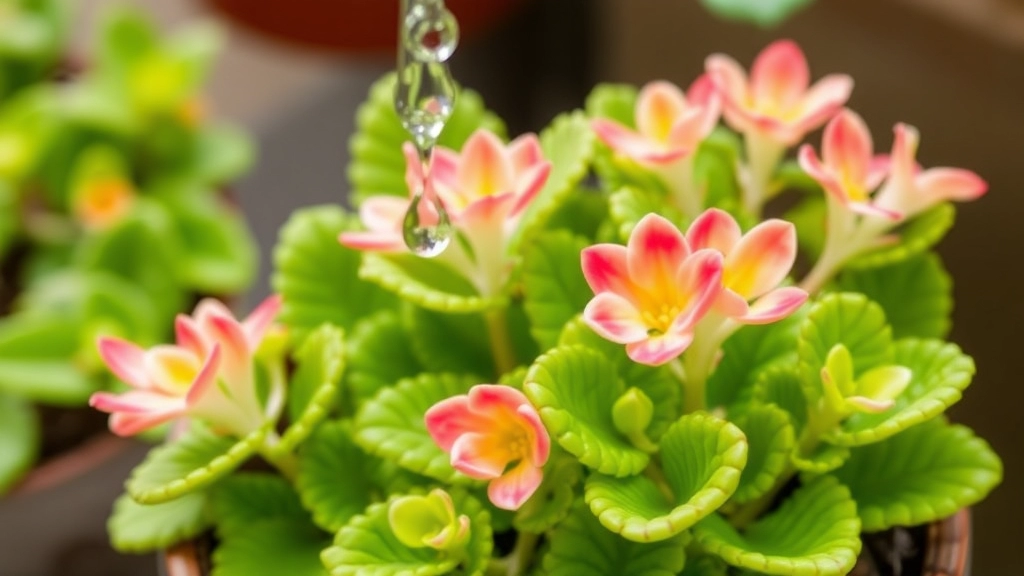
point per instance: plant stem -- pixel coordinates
(519, 560)
(501, 346)
(763, 156)
(285, 462)
(657, 475)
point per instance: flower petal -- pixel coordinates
(541, 441)
(615, 318)
(702, 92)
(660, 349)
(127, 424)
(655, 250)
(372, 241)
(779, 75)
(171, 369)
(846, 147)
(729, 79)
(383, 213)
(525, 152)
(261, 319)
(189, 336)
(605, 269)
(762, 259)
(632, 144)
(125, 360)
(206, 377)
(413, 168)
(699, 282)
(715, 229)
(813, 166)
(943, 184)
(658, 106)
(134, 402)
(234, 346)
(451, 418)
(825, 98)
(774, 306)
(511, 490)
(528, 184)
(480, 455)
(484, 168)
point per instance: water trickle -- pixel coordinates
(424, 99)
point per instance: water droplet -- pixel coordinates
(424, 100)
(431, 31)
(426, 239)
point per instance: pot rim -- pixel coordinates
(948, 550)
(97, 450)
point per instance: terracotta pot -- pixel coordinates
(349, 25)
(54, 520)
(947, 552)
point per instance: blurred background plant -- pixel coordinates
(115, 212)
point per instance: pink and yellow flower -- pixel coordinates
(754, 265)
(207, 374)
(651, 293)
(848, 168)
(493, 433)
(669, 124)
(911, 190)
(777, 99)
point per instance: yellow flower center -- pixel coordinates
(659, 317)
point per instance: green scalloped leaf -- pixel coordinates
(450, 342)
(703, 458)
(765, 13)
(824, 458)
(314, 385)
(222, 153)
(550, 504)
(391, 425)
(941, 372)
(379, 353)
(580, 546)
(749, 352)
(139, 528)
(247, 498)
(916, 236)
(843, 318)
(706, 566)
(317, 276)
(192, 462)
(554, 290)
(614, 101)
(569, 144)
(426, 282)
(657, 383)
(809, 217)
(629, 205)
(815, 532)
(916, 294)
(771, 440)
(583, 213)
(326, 482)
(783, 387)
(930, 472)
(574, 389)
(19, 439)
(272, 547)
(366, 545)
(378, 166)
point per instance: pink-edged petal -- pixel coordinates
(259, 320)
(489, 210)
(125, 360)
(171, 369)
(904, 154)
(383, 213)
(699, 280)
(632, 144)
(615, 318)
(702, 92)
(878, 170)
(484, 167)
(779, 75)
(413, 168)
(774, 306)
(444, 165)
(125, 424)
(541, 441)
(525, 152)
(529, 184)
(189, 336)
(658, 106)
(658, 350)
(208, 307)
(823, 101)
(511, 490)
(875, 211)
(479, 455)
(762, 259)
(605, 270)
(847, 148)
(135, 402)
(715, 229)
(812, 165)
(731, 304)
(729, 79)
(486, 398)
(372, 241)
(206, 377)
(230, 336)
(655, 250)
(942, 184)
(451, 418)
(693, 127)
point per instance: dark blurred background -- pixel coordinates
(953, 68)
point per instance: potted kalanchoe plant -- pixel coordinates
(618, 366)
(113, 218)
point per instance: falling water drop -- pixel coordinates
(426, 229)
(433, 32)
